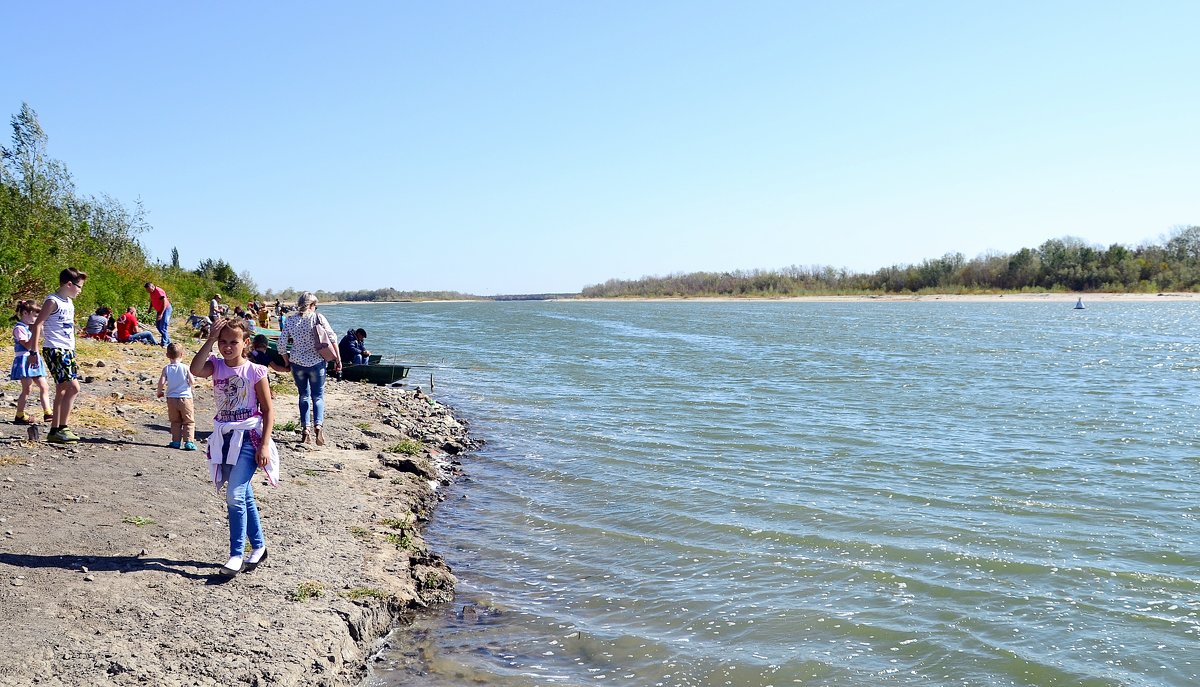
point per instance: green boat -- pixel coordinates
(272, 337)
(375, 372)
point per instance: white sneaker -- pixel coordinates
(233, 567)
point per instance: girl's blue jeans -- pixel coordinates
(310, 381)
(239, 500)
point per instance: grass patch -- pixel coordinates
(397, 481)
(138, 520)
(309, 472)
(285, 386)
(356, 593)
(400, 541)
(363, 425)
(409, 447)
(289, 426)
(360, 532)
(306, 590)
(395, 523)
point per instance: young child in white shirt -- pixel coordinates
(175, 383)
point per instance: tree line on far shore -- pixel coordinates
(389, 295)
(46, 225)
(1066, 264)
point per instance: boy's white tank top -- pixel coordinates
(58, 331)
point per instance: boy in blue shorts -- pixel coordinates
(54, 331)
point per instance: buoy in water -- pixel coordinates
(1079, 304)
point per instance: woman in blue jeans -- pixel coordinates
(308, 368)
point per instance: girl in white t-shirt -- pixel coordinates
(241, 439)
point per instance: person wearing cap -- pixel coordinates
(353, 349)
(214, 308)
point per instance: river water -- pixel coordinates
(779, 493)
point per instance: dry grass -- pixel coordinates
(13, 460)
(95, 418)
(130, 358)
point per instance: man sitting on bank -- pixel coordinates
(353, 351)
(130, 330)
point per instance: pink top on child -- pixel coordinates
(233, 389)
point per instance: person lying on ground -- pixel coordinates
(196, 321)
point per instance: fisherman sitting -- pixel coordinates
(353, 351)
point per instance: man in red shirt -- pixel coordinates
(162, 306)
(128, 328)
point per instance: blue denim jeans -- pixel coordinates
(162, 326)
(145, 337)
(310, 381)
(239, 501)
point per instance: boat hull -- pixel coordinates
(375, 374)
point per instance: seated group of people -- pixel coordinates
(125, 329)
(256, 314)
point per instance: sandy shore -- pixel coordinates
(109, 549)
(1063, 297)
(1057, 296)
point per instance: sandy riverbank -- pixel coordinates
(1057, 297)
(109, 549)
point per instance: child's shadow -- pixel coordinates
(121, 564)
(200, 436)
(117, 442)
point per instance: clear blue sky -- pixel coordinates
(515, 147)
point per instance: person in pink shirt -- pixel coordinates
(240, 442)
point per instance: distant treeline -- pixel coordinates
(1067, 264)
(289, 295)
(46, 226)
(389, 295)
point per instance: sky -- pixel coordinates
(542, 146)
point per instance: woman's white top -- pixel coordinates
(299, 333)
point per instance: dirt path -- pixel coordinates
(109, 549)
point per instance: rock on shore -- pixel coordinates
(109, 549)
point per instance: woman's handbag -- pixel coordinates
(324, 343)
